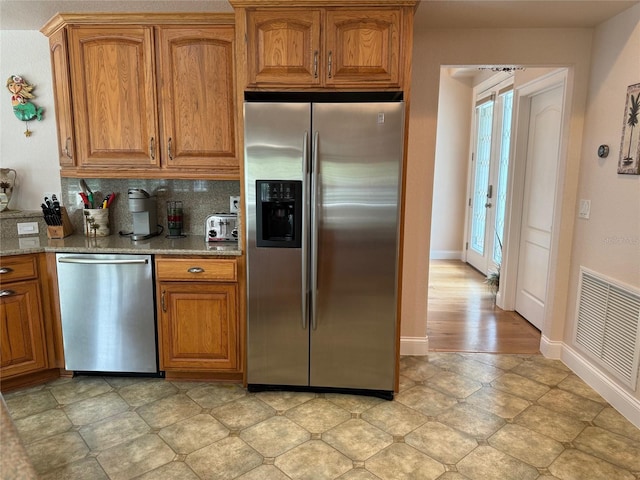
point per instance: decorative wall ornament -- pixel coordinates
(629, 162)
(23, 109)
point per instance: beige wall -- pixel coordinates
(451, 160)
(26, 53)
(609, 241)
(433, 48)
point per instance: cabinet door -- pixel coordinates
(114, 97)
(62, 97)
(284, 47)
(363, 47)
(198, 326)
(197, 97)
(21, 342)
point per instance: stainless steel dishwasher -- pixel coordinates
(108, 312)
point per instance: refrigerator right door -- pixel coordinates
(357, 173)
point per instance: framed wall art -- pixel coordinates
(629, 162)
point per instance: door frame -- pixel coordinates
(515, 191)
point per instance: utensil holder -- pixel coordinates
(61, 231)
(96, 222)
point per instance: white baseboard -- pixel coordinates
(414, 346)
(551, 349)
(445, 255)
(619, 398)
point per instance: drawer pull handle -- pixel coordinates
(4, 270)
(196, 270)
(152, 148)
(164, 305)
(330, 62)
(315, 64)
(169, 149)
(7, 293)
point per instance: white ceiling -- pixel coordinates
(32, 14)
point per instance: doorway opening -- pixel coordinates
(484, 181)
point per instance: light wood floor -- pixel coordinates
(462, 316)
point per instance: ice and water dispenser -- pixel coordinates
(279, 213)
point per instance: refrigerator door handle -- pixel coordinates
(314, 231)
(305, 234)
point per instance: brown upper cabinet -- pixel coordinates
(150, 95)
(312, 44)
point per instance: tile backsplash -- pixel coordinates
(199, 198)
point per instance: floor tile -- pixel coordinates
(576, 465)
(468, 367)
(358, 474)
(417, 370)
(487, 463)
(426, 400)
(568, 403)
(87, 468)
(531, 447)
(42, 425)
(575, 384)
(318, 415)
(541, 373)
(611, 447)
(120, 382)
(394, 418)
(441, 442)
(503, 362)
(275, 436)
(53, 452)
(497, 402)
(353, 403)
(168, 411)
(454, 385)
(520, 386)
(403, 462)
(405, 383)
(313, 460)
(613, 421)
(225, 459)
(357, 439)
(283, 401)
(25, 405)
(264, 472)
(95, 408)
(243, 413)
(552, 424)
(170, 471)
(114, 430)
(211, 395)
(80, 388)
(472, 420)
(193, 433)
(135, 457)
(141, 393)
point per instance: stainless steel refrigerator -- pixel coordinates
(322, 214)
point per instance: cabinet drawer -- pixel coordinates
(17, 268)
(195, 269)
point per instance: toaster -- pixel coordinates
(221, 227)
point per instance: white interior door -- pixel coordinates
(544, 132)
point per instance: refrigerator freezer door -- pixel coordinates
(359, 151)
(277, 332)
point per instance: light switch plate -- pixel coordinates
(28, 228)
(234, 204)
(585, 209)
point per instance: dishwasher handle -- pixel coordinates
(98, 261)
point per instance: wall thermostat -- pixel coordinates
(603, 151)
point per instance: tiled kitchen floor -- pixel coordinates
(457, 416)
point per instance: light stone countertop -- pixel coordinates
(159, 245)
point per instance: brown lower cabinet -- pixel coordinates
(198, 328)
(23, 345)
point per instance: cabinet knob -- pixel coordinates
(196, 270)
(7, 293)
(4, 270)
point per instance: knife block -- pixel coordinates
(61, 231)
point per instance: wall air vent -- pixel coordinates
(608, 325)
